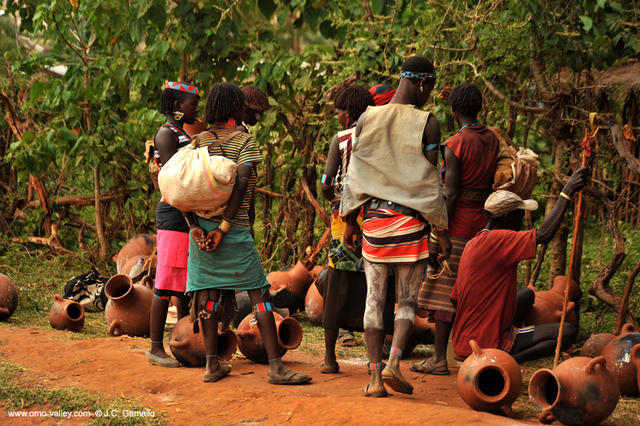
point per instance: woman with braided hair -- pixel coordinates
(470, 158)
(222, 252)
(179, 102)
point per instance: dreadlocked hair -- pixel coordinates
(256, 98)
(169, 97)
(466, 99)
(353, 99)
(418, 64)
(225, 101)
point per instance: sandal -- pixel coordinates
(288, 378)
(221, 372)
(429, 366)
(329, 368)
(162, 361)
(347, 340)
(379, 394)
(395, 381)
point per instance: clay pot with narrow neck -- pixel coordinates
(313, 304)
(140, 245)
(288, 288)
(618, 355)
(579, 391)
(250, 343)
(489, 379)
(595, 343)
(8, 297)
(66, 314)
(129, 306)
(189, 349)
(547, 307)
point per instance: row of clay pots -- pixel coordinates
(547, 307)
(578, 391)
(8, 297)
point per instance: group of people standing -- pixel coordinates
(398, 215)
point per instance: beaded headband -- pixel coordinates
(417, 75)
(182, 87)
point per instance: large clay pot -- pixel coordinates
(140, 245)
(288, 288)
(289, 333)
(66, 314)
(579, 391)
(547, 307)
(128, 308)
(188, 347)
(594, 344)
(489, 379)
(635, 359)
(8, 297)
(618, 355)
(195, 128)
(313, 305)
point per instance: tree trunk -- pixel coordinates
(559, 243)
(99, 216)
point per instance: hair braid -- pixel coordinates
(225, 101)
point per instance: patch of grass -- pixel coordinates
(39, 275)
(15, 395)
(313, 340)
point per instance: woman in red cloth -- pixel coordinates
(179, 102)
(470, 162)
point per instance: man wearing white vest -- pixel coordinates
(393, 174)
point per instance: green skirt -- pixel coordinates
(234, 265)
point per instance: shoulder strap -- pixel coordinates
(505, 141)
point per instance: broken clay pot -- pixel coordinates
(66, 314)
(8, 297)
(129, 306)
(188, 347)
(618, 355)
(489, 379)
(250, 343)
(578, 391)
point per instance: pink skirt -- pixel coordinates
(173, 254)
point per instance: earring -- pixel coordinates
(178, 115)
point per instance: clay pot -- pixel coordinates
(8, 297)
(579, 391)
(188, 347)
(489, 379)
(195, 128)
(288, 331)
(313, 305)
(547, 307)
(618, 355)
(66, 314)
(594, 344)
(635, 359)
(140, 245)
(129, 306)
(288, 288)
(126, 268)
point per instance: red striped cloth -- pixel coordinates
(392, 237)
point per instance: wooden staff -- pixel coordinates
(587, 147)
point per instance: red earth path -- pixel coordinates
(118, 367)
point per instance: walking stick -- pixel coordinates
(588, 144)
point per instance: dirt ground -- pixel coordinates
(118, 367)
